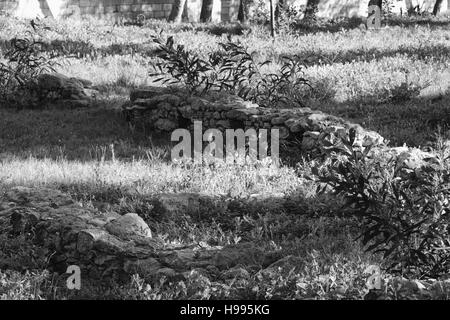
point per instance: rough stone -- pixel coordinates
(287, 263)
(145, 267)
(310, 140)
(235, 273)
(283, 132)
(241, 114)
(166, 125)
(167, 272)
(316, 121)
(71, 92)
(296, 125)
(84, 82)
(147, 93)
(280, 119)
(128, 226)
(224, 124)
(371, 138)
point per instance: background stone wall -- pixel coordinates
(97, 8)
(225, 10)
(107, 9)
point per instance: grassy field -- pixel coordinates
(394, 80)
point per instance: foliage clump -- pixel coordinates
(403, 207)
(232, 69)
(22, 63)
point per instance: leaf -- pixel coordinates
(375, 245)
(170, 42)
(352, 135)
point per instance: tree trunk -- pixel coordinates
(206, 13)
(242, 13)
(272, 19)
(378, 3)
(409, 7)
(177, 11)
(311, 6)
(278, 7)
(437, 7)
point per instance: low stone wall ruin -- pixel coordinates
(106, 245)
(165, 109)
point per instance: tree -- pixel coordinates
(206, 13)
(437, 7)
(278, 7)
(311, 6)
(243, 11)
(177, 11)
(378, 3)
(409, 7)
(272, 19)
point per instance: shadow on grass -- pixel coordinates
(418, 20)
(439, 52)
(343, 23)
(410, 120)
(82, 49)
(97, 133)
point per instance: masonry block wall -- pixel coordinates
(97, 8)
(167, 109)
(230, 9)
(359, 8)
(158, 9)
(223, 10)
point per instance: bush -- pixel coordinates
(232, 69)
(23, 62)
(404, 210)
(288, 17)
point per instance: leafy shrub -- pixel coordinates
(404, 91)
(19, 286)
(288, 16)
(181, 64)
(404, 212)
(25, 61)
(259, 12)
(232, 69)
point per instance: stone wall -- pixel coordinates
(106, 9)
(168, 109)
(99, 8)
(358, 8)
(229, 10)
(225, 10)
